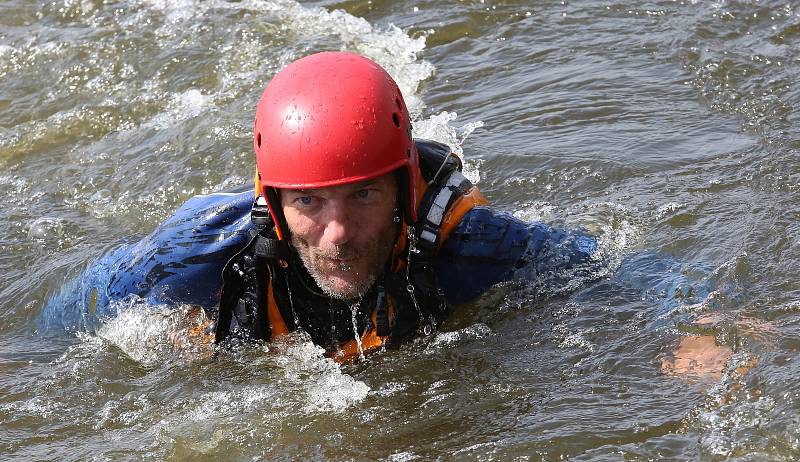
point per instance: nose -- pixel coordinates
(339, 225)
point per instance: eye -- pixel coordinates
(305, 200)
(362, 193)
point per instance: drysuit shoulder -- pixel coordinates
(490, 246)
(181, 261)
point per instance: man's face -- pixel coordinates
(344, 234)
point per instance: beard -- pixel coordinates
(347, 272)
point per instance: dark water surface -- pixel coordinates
(668, 128)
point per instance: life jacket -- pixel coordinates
(267, 292)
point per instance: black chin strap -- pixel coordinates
(382, 310)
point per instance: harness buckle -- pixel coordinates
(259, 214)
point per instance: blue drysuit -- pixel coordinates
(182, 260)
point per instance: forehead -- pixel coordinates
(386, 181)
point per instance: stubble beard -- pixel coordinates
(319, 266)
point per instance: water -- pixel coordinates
(667, 128)
(354, 319)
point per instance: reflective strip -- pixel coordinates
(438, 208)
(428, 236)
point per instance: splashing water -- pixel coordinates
(679, 152)
(438, 127)
(354, 317)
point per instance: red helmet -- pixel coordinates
(328, 119)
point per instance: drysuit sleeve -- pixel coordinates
(489, 246)
(180, 262)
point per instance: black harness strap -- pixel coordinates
(246, 278)
(442, 169)
(382, 311)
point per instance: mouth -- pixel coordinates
(341, 264)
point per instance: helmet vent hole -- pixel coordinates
(258, 140)
(398, 103)
(396, 119)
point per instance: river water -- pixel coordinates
(670, 129)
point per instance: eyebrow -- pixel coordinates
(369, 182)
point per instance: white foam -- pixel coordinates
(37, 406)
(404, 456)
(668, 208)
(6, 50)
(732, 412)
(576, 340)
(183, 106)
(535, 211)
(390, 388)
(154, 334)
(618, 233)
(335, 391)
(724, 425)
(439, 128)
(390, 47)
(180, 11)
(448, 339)
(477, 447)
(218, 403)
(327, 388)
(18, 186)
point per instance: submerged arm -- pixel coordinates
(491, 246)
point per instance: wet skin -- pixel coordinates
(699, 358)
(344, 234)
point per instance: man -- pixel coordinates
(359, 235)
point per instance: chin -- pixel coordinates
(345, 289)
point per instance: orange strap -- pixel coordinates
(370, 341)
(277, 326)
(456, 212)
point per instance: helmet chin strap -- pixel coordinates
(273, 199)
(406, 201)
